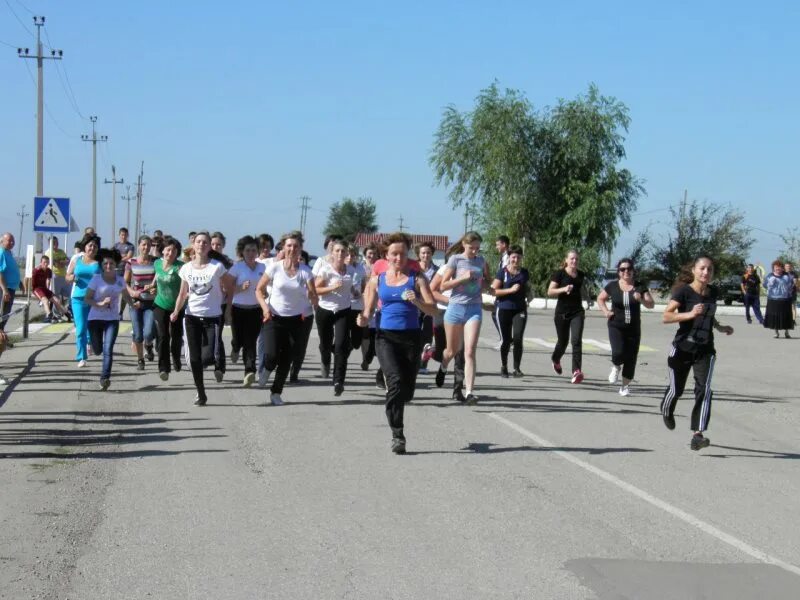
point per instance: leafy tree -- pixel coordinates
(702, 228)
(350, 217)
(791, 246)
(548, 177)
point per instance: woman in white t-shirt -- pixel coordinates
(202, 285)
(102, 296)
(246, 313)
(334, 284)
(291, 300)
(357, 302)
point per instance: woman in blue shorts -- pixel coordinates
(465, 275)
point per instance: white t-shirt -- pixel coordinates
(101, 290)
(205, 289)
(357, 302)
(447, 293)
(243, 273)
(289, 296)
(318, 264)
(340, 298)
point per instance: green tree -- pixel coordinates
(350, 217)
(549, 177)
(701, 228)
(791, 246)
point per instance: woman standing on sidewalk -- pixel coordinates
(751, 292)
(334, 285)
(624, 322)
(202, 291)
(510, 287)
(168, 286)
(286, 311)
(568, 284)
(140, 275)
(693, 306)
(402, 293)
(79, 274)
(246, 312)
(780, 286)
(102, 296)
(466, 275)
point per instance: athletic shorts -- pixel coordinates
(41, 292)
(461, 314)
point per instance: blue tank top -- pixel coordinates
(83, 275)
(397, 314)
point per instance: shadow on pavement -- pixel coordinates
(753, 453)
(490, 448)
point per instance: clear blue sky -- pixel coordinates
(240, 108)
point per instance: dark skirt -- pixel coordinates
(779, 314)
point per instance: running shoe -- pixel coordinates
(104, 384)
(698, 442)
(294, 378)
(249, 379)
(149, 353)
(557, 368)
(504, 372)
(140, 365)
(176, 366)
(624, 391)
(614, 375)
(440, 375)
(577, 376)
(458, 395)
(325, 371)
(427, 353)
(164, 375)
(338, 388)
(399, 445)
(218, 375)
(3, 380)
(364, 365)
(380, 382)
(786, 334)
(276, 400)
(47, 319)
(471, 400)
(198, 401)
(81, 364)
(262, 378)
(669, 421)
(234, 356)
(517, 373)
(498, 345)
(423, 371)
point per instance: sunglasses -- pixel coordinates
(625, 269)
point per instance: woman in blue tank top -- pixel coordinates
(402, 294)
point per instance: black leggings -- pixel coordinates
(569, 328)
(624, 348)
(356, 332)
(398, 353)
(511, 324)
(169, 338)
(334, 336)
(281, 337)
(204, 332)
(679, 363)
(368, 346)
(245, 328)
(300, 345)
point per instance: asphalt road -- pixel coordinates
(543, 490)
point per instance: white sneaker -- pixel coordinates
(249, 379)
(614, 375)
(624, 390)
(3, 380)
(81, 364)
(276, 399)
(262, 378)
(498, 345)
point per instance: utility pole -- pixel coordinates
(304, 213)
(466, 217)
(40, 58)
(94, 139)
(402, 228)
(114, 181)
(21, 214)
(139, 185)
(128, 198)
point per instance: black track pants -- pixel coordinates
(680, 363)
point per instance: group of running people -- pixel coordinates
(404, 311)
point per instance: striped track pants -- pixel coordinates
(679, 364)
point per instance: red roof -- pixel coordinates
(440, 242)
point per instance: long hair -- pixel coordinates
(685, 275)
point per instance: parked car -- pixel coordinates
(730, 290)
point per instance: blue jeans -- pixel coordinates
(753, 301)
(80, 314)
(103, 335)
(143, 321)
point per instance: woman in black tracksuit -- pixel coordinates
(511, 309)
(693, 306)
(624, 322)
(568, 285)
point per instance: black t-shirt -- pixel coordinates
(697, 334)
(572, 302)
(751, 284)
(518, 300)
(627, 311)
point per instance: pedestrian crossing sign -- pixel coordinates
(51, 214)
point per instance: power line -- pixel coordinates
(25, 7)
(9, 45)
(47, 108)
(16, 16)
(64, 81)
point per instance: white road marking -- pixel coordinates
(541, 342)
(735, 542)
(598, 343)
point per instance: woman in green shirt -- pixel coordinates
(168, 284)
